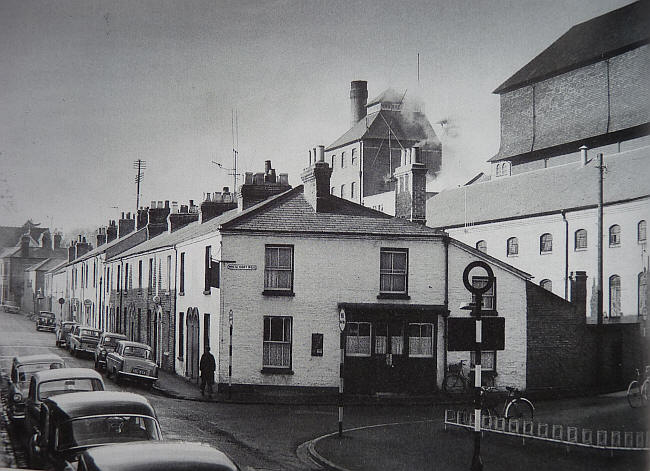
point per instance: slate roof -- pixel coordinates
(405, 125)
(292, 213)
(594, 40)
(10, 235)
(34, 252)
(543, 191)
(47, 264)
(133, 237)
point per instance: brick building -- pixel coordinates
(586, 94)
(363, 160)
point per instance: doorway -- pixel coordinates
(192, 365)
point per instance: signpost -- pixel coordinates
(230, 321)
(342, 322)
(61, 303)
(477, 462)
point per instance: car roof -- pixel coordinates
(87, 327)
(130, 343)
(40, 358)
(154, 455)
(82, 404)
(69, 322)
(66, 373)
(114, 334)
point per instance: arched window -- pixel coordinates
(581, 239)
(498, 174)
(614, 235)
(641, 231)
(512, 247)
(546, 284)
(643, 294)
(481, 246)
(614, 296)
(546, 243)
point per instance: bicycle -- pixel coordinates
(456, 381)
(515, 405)
(638, 390)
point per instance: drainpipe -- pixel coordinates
(566, 255)
(445, 240)
(175, 340)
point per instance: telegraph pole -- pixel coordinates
(139, 165)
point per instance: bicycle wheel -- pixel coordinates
(453, 384)
(634, 394)
(518, 409)
(645, 390)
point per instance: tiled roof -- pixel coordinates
(10, 236)
(292, 213)
(405, 125)
(47, 264)
(34, 252)
(543, 191)
(126, 242)
(594, 40)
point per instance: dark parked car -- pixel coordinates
(50, 383)
(133, 360)
(22, 370)
(107, 343)
(62, 330)
(149, 456)
(46, 321)
(71, 423)
(83, 339)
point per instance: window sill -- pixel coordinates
(267, 370)
(181, 293)
(207, 292)
(546, 252)
(393, 296)
(270, 292)
(512, 255)
(614, 246)
(581, 249)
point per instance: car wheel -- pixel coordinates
(118, 377)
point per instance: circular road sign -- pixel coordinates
(468, 284)
(61, 301)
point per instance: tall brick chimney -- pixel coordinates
(58, 238)
(111, 231)
(24, 245)
(125, 225)
(216, 204)
(260, 186)
(82, 247)
(411, 187)
(181, 218)
(579, 291)
(316, 179)
(101, 236)
(358, 100)
(157, 218)
(72, 250)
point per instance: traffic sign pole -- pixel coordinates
(342, 322)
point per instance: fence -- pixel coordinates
(565, 435)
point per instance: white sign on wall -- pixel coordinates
(241, 266)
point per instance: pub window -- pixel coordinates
(546, 243)
(614, 296)
(481, 246)
(488, 360)
(614, 235)
(181, 335)
(393, 270)
(512, 247)
(641, 231)
(581, 239)
(278, 268)
(277, 342)
(642, 284)
(421, 340)
(489, 297)
(357, 339)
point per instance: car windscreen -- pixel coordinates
(62, 386)
(46, 315)
(25, 372)
(104, 429)
(138, 352)
(111, 341)
(68, 327)
(89, 333)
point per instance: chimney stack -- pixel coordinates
(24, 245)
(71, 251)
(125, 225)
(217, 204)
(82, 247)
(101, 236)
(358, 100)
(411, 187)
(157, 219)
(260, 186)
(584, 158)
(58, 238)
(111, 231)
(317, 182)
(182, 218)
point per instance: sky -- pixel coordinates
(86, 88)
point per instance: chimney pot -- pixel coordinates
(191, 202)
(320, 153)
(166, 203)
(153, 204)
(316, 179)
(226, 189)
(267, 166)
(248, 178)
(583, 155)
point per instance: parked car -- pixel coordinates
(10, 307)
(62, 331)
(46, 321)
(83, 339)
(107, 343)
(22, 369)
(71, 423)
(132, 360)
(155, 455)
(50, 383)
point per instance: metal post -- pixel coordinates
(477, 462)
(341, 368)
(230, 320)
(599, 313)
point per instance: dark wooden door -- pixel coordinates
(193, 343)
(389, 356)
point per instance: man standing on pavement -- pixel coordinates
(207, 366)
